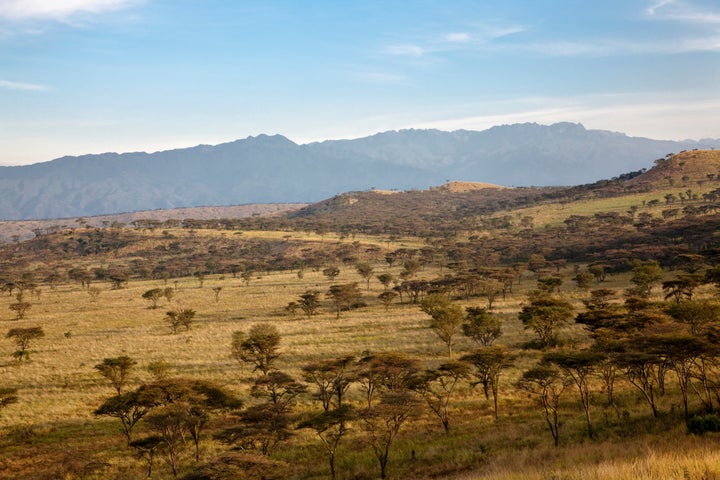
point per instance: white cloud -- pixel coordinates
(671, 117)
(383, 78)
(674, 10)
(458, 37)
(406, 50)
(57, 9)
(651, 10)
(21, 86)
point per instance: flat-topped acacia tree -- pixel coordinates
(22, 338)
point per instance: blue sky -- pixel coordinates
(91, 76)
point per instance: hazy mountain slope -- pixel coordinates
(255, 170)
(272, 169)
(521, 154)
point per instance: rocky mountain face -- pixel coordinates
(273, 169)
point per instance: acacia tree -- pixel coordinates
(383, 421)
(489, 362)
(547, 384)
(170, 422)
(344, 296)
(20, 308)
(180, 318)
(147, 448)
(436, 386)
(129, 408)
(698, 314)
(22, 338)
(153, 295)
(544, 315)
(365, 270)
(116, 370)
(386, 298)
(331, 272)
(181, 407)
(385, 372)
(578, 366)
(490, 288)
(682, 351)
(386, 279)
(259, 347)
(310, 302)
(216, 291)
(645, 274)
(641, 370)
(330, 426)
(446, 318)
(331, 377)
(482, 326)
(263, 426)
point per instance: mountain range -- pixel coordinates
(273, 169)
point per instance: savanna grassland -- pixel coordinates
(85, 288)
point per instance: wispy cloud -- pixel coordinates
(57, 9)
(647, 115)
(457, 37)
(652, 9)
(383, 78)
(22, 86)
(406, 50)
(682, 11)
(471, 38)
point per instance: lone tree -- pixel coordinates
(180, 318)
(22, 338)
(446, 318)
(20, 308)
(259, 347)
(153, 296)
(116, 370)
(216, 291)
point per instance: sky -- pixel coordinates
(94, 76)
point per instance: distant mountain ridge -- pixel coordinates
(273, 169)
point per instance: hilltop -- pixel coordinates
(273, 169)
(690, 167)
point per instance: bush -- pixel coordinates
(700, 424)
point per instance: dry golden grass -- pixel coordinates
(59, 388)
